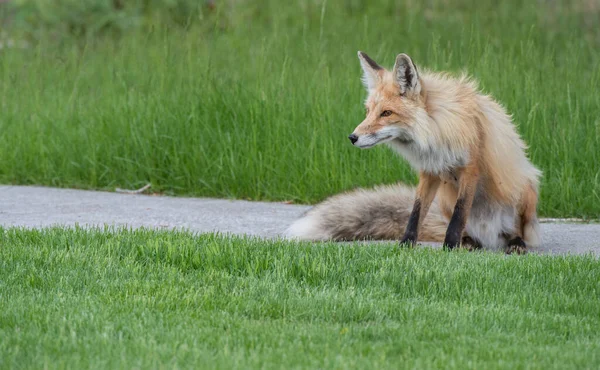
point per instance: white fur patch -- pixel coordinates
(307, 228)
(430, 159)
(487, 223)
(384, 135)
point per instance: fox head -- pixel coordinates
(394, 104)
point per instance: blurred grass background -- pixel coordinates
(254, 100)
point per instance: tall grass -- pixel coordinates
(256, 100)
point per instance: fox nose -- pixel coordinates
(353, 138)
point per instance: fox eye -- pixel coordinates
(386, 113)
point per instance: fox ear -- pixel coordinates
(407, 75)
(371, 70)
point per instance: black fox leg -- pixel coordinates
(456, 226)
(466, 192)
(426, 190)
(412, 228)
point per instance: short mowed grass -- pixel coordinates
(255, 100)
(75, 298)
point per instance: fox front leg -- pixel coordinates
(466, 191)
(426, 190)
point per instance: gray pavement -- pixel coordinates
(33, 207)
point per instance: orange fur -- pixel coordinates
(472, 163)
(449, 131)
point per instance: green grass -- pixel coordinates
(72, 298)
(256, 101)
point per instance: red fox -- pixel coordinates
(476, 185)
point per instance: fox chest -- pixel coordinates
(434, 160)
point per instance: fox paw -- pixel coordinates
(470, 244)
(408, 241)
(451, 242)
(516, 246)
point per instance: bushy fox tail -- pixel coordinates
(376, 214)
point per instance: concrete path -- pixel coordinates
(30, 206)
